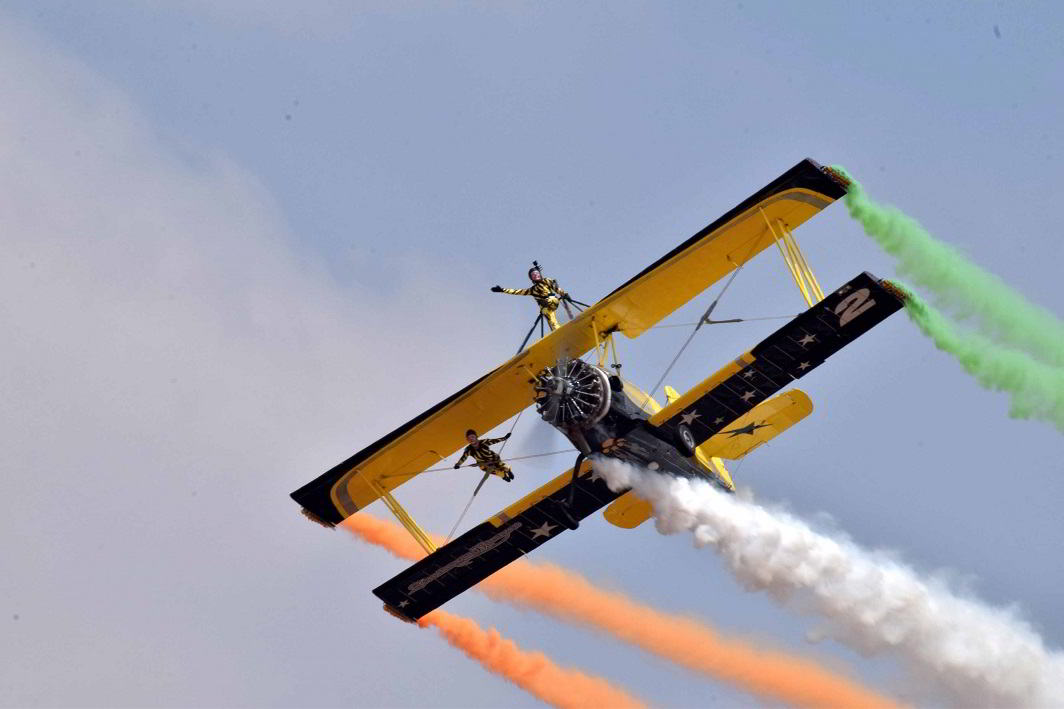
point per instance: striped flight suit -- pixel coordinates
(487, 459)
(546, 292)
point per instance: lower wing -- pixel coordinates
(483, 550)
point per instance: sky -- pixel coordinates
(242, 240)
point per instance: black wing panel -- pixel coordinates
(485, 549)
(791, 352)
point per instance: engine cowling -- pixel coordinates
(572, 393)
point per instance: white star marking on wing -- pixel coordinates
(404, 604)
(689, 417)
(747, 396)
(718, 421)
(543, 531)
(749, 373)
(806, 340)
(804, 366)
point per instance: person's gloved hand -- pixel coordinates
(496, 289)
(457, 466)
(507, 436)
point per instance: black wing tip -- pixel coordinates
(317, 506)
(396, 613)
(895, 290)
(837, 176)
(316, 519)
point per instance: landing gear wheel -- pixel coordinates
(685, 440)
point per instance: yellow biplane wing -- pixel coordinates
(644, 300)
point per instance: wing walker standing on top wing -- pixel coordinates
(725, 417)
(546, 291)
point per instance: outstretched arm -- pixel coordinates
(465, 454)
(511, 291)
(493, 441)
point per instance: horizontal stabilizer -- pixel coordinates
(628, 511)
(764, 422)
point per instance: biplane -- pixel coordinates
(726, 416)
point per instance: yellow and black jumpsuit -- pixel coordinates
(487, 459)
(546, 291)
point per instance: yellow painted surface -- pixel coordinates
(628, 511)
(641, 398)
(722, 472)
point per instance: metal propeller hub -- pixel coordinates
(572, 393)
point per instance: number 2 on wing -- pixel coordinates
(853, 305)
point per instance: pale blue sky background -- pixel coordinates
(241, 241)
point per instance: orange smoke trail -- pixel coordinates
(532, 671)
(684, 641)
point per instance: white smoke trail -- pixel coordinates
(980, 656)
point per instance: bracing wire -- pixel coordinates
(720, 322)
(473, 465)
(465, 510)
(704, 319)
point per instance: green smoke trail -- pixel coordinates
(1036, 389)
(963, 287)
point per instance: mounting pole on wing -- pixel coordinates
(537, 321)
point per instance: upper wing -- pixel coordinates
(787, 354)
(488, 547)
(735, 238)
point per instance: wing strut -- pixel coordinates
(795, 260)
(419, 534)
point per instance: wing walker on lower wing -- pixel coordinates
(726, 416)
